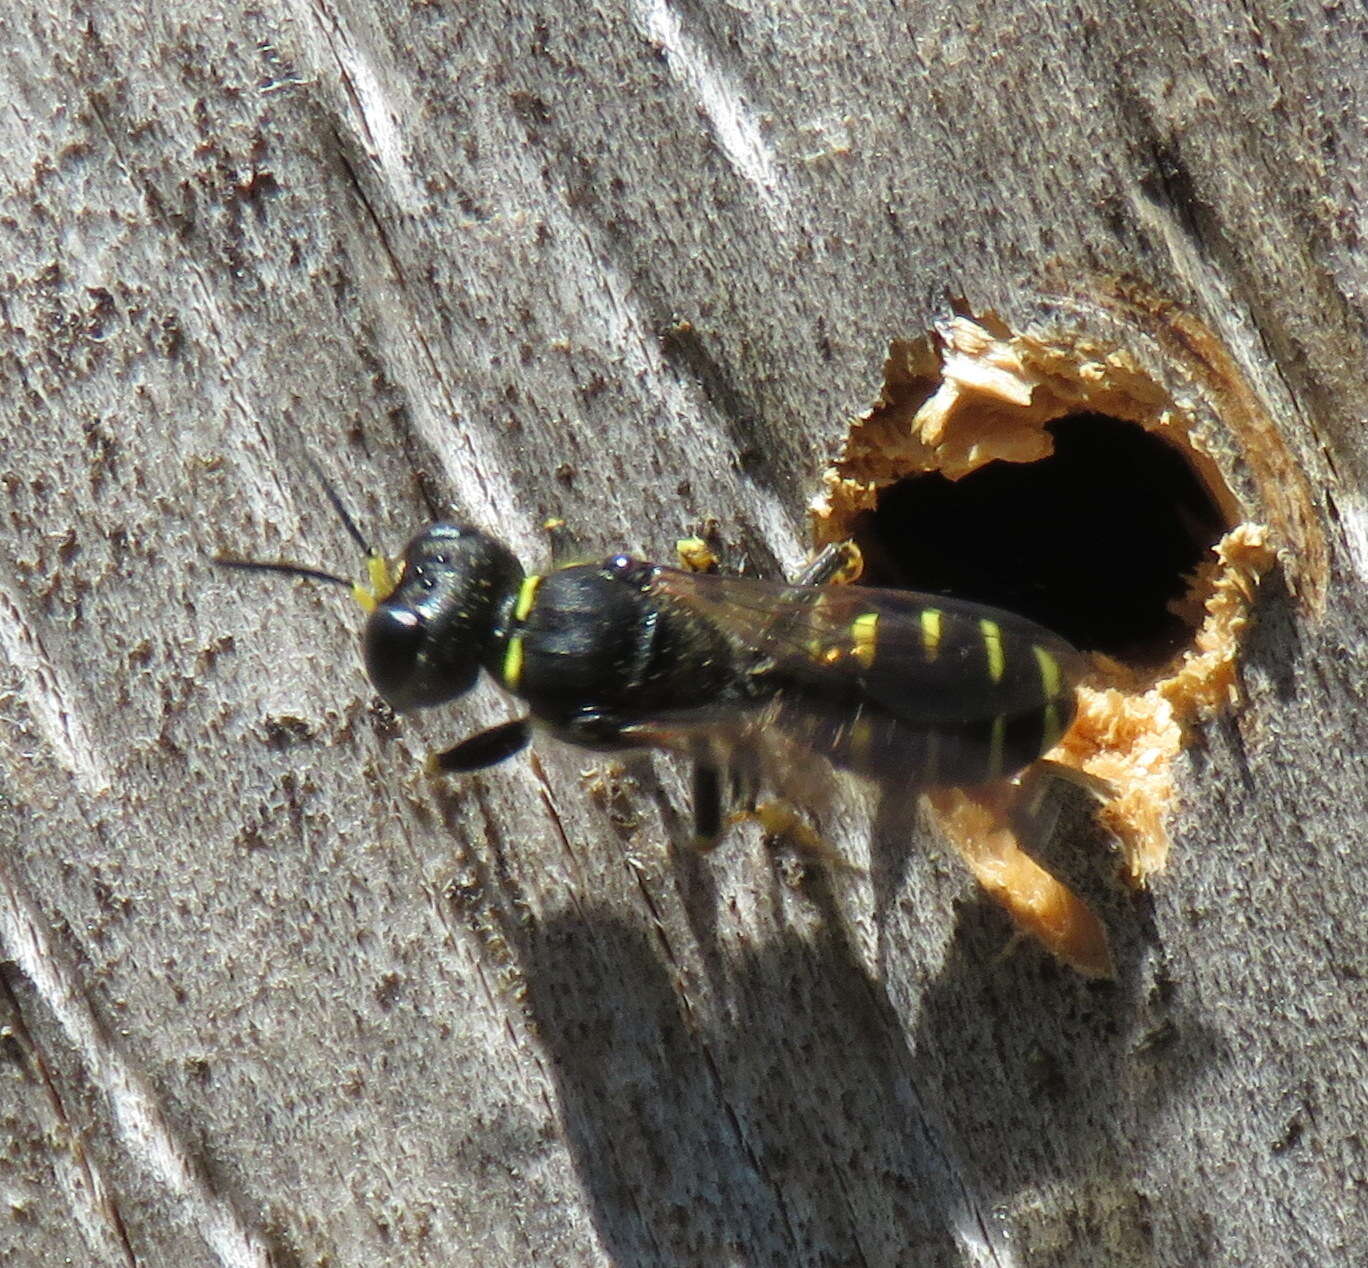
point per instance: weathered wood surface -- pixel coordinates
(269, 995)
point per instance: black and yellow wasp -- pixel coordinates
(910, 690)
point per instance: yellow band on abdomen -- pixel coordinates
(931, 632)
(863, 632)
(992, 648)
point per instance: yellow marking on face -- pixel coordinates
(997, 743)
(382, 579)
(527, 593)
(863, 632)
(931, 632)
(832, 656)
(1050, 675)
(992, 648)
(511, 669)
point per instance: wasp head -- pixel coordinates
(436, 615)
(445, 617)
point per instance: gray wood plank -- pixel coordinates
(636, 265)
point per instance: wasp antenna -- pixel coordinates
(289, 570)
(338, 506)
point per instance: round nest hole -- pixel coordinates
(1097, 541)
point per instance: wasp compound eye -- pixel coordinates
(394, 645)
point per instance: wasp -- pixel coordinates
(751, 679)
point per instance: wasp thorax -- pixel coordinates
(445, 619)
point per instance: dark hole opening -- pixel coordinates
(1095, 541)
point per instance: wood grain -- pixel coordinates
(273, 997)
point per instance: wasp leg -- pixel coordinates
(716, 778)
(695, 554)
(744, 790)
(837, 563)
(780, 821)
(1035, 800)
(593, 728)
(488, 748)
(566, 547)
(1101, 790)
(707, 805)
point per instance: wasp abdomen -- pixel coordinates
(935, 695)
(881, 746)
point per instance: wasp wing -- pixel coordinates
(926, 659)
